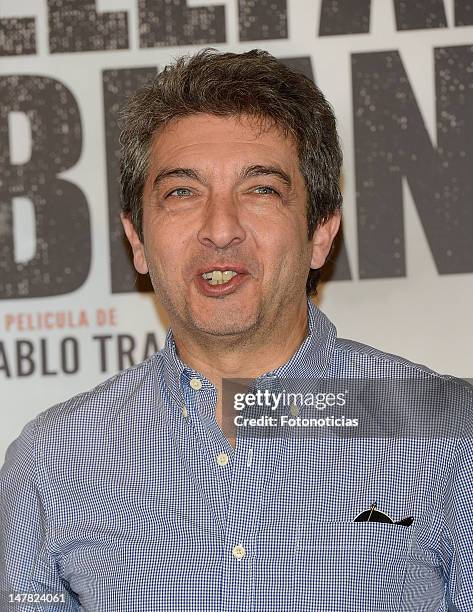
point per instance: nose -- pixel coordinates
(221, 225)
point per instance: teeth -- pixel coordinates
(217, 277)
(228, 275)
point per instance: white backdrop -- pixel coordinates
(422, 314)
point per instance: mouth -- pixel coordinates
(219, 277)
(222, 280)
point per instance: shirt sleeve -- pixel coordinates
(26, 565)
(459, 523)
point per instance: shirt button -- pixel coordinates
(222, 459)
(294, 410)
(195, 384)
(238, 551)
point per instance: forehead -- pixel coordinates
(236, 139)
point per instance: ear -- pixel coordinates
(322, 240)
(139, 259)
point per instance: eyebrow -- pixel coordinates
(258, 170)
(247, 172)
(176, 172)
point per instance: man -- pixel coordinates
(137, 495)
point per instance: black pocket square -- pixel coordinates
(376, 516)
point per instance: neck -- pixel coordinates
(267, 349)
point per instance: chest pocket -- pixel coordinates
(351, 566)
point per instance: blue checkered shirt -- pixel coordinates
(129, 498)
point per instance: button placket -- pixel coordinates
(198, 449)
(195, 384)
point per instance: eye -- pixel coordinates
(266, 190)
(180, 192)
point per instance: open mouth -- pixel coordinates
(219, 277)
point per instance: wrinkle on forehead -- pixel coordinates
(181, 137)
(220, 147)
(258, 123)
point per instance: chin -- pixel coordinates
(225, 325)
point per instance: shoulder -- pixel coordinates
(400, 384)
(88, 414)
(93, 426)
(354, 358)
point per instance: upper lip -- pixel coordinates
(222, 267)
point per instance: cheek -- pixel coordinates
(165, 253)
(276, 257)
(286, 242)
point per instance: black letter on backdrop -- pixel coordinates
(337, 266)
(17, 36)
(463, 12)
(63, 249)
(344, 17)
(391, 142)
(424, 15)
(169, 24)
(75, 25)
(262, 19)
(117, 86)
(353, 17)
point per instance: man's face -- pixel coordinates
(224, 201)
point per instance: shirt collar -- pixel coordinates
(311, 359)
